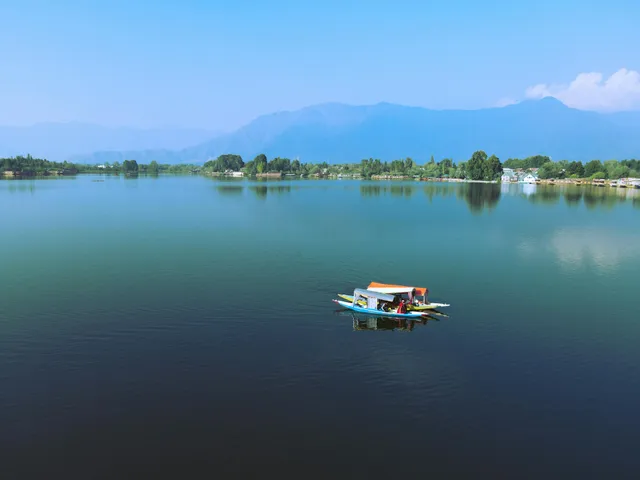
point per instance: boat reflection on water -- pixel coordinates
(368, 322)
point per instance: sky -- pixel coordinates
(219, 64)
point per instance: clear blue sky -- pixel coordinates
(219, 64)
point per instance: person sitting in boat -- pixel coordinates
(414, 300)
(396, 301)
(402, 308)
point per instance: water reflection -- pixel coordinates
(432, 190)
(21, 187)
(479, 196)
(595, 197)
(370, 190)
(529, 189)
(279, 188)
(575, 247)
(401, 190)
(261, 191)
(386, 323)
(573, 195)
(230, 189)
(545, 194)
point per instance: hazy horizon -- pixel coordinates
(217, 66)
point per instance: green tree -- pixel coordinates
(536, 161)
(409, 164)
(594, 166)
(610, 166)
(475, 165)
(514, 163)
(492, 168)
(130, 167)
(153, 168)
(547, 171)
(621, 171)
(397, 166)
(576, 168)
(261, 163)
(278, 164)
(461, 170)
(225, 162)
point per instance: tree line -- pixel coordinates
(479, 167)
(609, 169)
(28, 165)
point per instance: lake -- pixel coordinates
(183, 326)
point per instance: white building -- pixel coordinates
(508, 176)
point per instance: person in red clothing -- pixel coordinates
(402, 308)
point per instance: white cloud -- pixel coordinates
(575, 247)
(590, 91)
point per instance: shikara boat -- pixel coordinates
(417, 296)
(376, 303)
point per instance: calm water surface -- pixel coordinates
(181, 326)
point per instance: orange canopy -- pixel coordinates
(421, 291)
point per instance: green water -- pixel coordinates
(183, 324)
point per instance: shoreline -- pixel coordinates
(580, 182)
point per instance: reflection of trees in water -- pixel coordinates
(230, 189)
(261, 191)
(401, 190)
(279, 188)
(18, 186)
(480, 196)
(395, 190)
(440, 189)
(477, 195)
(593, 197)
(370, 190)
(545, 194)
(573, 195)
(602, 197)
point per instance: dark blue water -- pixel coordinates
(183, 327)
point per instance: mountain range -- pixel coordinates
(338, 133)
(61, 141)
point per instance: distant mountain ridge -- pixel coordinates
(60, 141)
(337, 133)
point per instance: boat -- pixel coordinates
(430, 306)
(413, 294)
(375, 303)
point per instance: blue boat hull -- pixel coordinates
(372, 311)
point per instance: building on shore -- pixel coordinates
(529, 178)
(508, 176)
